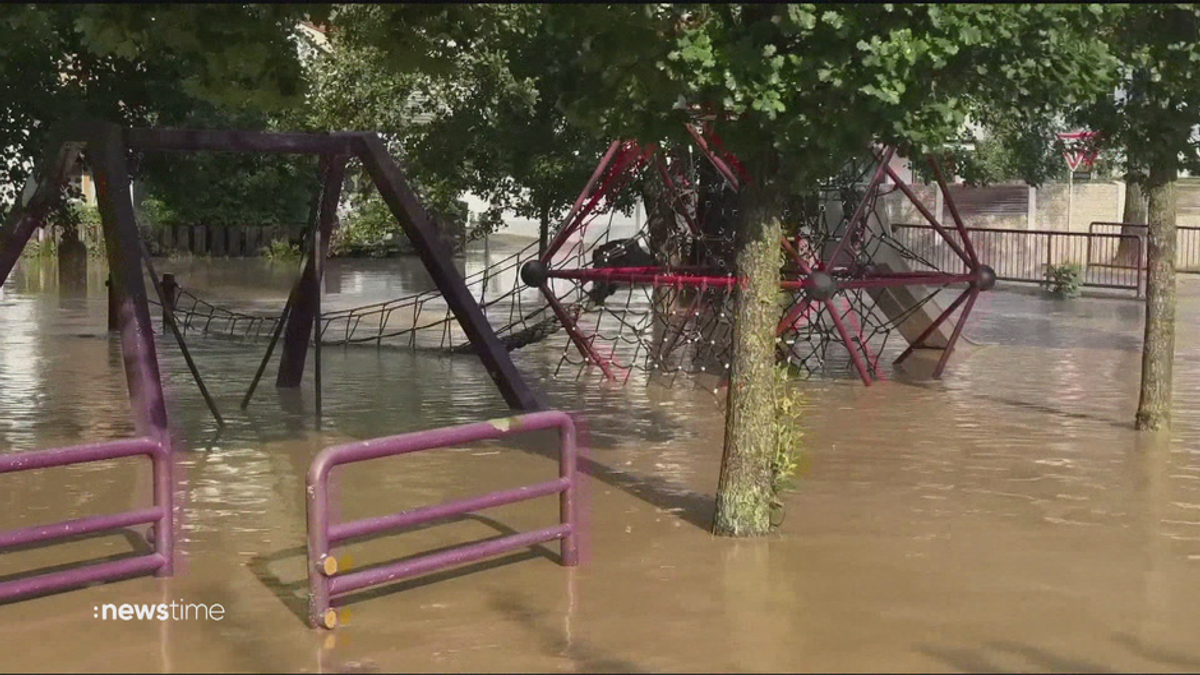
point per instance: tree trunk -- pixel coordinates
(1158, 345)
(744, 491)
(1133, 213)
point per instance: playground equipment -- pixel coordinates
(108, 147)
(660, 298)
(326, 580)
(106, 152)
(849, 282)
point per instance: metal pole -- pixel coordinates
(845, 335)
(585, 348)
(107, 153)
(319, 269)
(932, 327)
(171, 289)
(169, 320)
(958, 326)
(1070, 194)
(262, 367)
(851, 224)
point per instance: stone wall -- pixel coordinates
(1021, 207)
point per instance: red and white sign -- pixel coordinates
(1081, 149)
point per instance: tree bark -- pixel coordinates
(1158, 344)
(1133, 213)
(744, 489)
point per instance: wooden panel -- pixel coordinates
(994, 200)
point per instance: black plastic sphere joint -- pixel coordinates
(821, 286)
(535, 273)
(985, 279)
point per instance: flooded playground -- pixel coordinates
(1005, 518)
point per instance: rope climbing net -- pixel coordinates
(661, 297)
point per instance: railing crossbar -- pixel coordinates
(325, 581)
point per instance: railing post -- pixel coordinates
(1140, 267)
(567, 500)
(326, 581)
(171, 291)
(1049, 255)
(320, 614)
(164, 529)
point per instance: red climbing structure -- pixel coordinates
(837, 290)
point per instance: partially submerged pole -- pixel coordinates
(171, 289)
(262, 367)
(169, 320)
(320, 269)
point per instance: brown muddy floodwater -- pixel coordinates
(1007, 518)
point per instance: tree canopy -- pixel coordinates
(168, 64)
(464, 115)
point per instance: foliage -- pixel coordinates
(370, 228)
(137, 66)
(40, 249)
(228, 188)
(1151, 118)
(801, 87)
(1065, 281)
(488, 130)
(1013, 149)
(281, 250)
(242, 56)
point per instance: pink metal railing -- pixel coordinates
(325, 581)
(159, 516)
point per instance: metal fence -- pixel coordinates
(1187, 242)
(158, 516)
(1027, 255)
(325, 580)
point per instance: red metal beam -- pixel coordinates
(661, 165)
(581, 343)
(568, 222)
(958, 326)
(790, 319)
(933, 221)
(726, 172)
(852, 224)
(958, 221)
(845, 335)
(932, 327)
(627, 160)
(671, 276)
